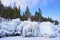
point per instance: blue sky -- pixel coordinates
(50, 8)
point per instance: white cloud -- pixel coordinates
(24, 3)
(6, 2)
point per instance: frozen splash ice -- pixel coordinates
(29, 28)
(47, 29)
(29, 19)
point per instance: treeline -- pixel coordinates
(12, 13)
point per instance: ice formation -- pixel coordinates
(28, 28)
(12, 25)
(47, 29)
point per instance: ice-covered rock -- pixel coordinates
(12, 25)
(2, 33)
(29, 28)
(29, 19)
(47, 29)
(3, 19)
(3, 25)
(20, 27)
(36, 24)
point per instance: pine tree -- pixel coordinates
(36, 18)
(40, 13)
(19, 11)
(56, 22)
(1, 6)
(16, 12)
(27, 12)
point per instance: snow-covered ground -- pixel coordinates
(29, 38)
(16, 29)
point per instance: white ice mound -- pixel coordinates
(28, 28)
(47, 29)
(12, 25)
(2, 33)
(3, 25)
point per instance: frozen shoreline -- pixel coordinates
(29, 38)
(28, 29)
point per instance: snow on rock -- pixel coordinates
(47, 29)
